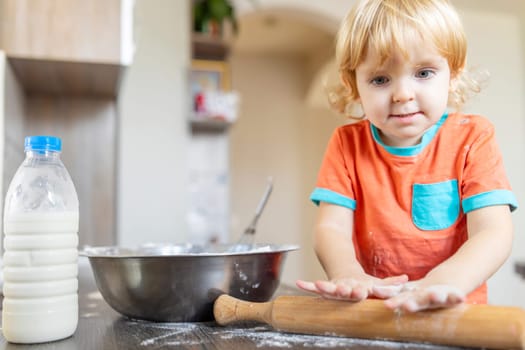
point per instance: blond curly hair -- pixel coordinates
(388, 25)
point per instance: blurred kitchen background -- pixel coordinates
(113, 79)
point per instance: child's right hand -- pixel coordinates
(350, 289)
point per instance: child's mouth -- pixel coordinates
(407, 115)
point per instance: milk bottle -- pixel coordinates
(40, 247)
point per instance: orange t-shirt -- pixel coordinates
(410, 203)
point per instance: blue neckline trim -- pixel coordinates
(411, 150)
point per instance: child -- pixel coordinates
(414, 203)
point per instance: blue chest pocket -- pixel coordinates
(435, 206)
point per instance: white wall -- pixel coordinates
(154, 106)
(266, 141)
(498, 48)
(278, 135)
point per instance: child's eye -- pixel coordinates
(425, 73)
(379, 81)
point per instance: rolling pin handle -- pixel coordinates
(228, 310)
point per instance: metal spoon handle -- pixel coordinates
(262, 203)
(246, 237)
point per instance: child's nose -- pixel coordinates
(403, 92)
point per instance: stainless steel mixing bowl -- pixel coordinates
(179, 283)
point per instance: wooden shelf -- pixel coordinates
(208, 47)
(209, 124)
(52, 77)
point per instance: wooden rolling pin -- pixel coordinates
(483, 326)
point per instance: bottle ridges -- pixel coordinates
(40, 276)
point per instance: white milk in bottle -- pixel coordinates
(40, 247)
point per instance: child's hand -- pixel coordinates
(411, 298)
(341, 289)
(350, 289)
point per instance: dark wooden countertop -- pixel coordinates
(100, 327)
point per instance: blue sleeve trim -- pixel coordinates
(485, 199)
(324, 195)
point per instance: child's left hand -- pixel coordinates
(412, 298)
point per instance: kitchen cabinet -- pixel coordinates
(69, 47)
(63, 61)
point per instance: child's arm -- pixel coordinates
(335, 250)
(488, 246)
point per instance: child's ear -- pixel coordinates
(454, 77)
(345, 81)
(452, 84)
(350, 90)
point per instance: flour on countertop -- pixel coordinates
(171, 334)
(266, 337)
(174, 330)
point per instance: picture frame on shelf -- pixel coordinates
(209, 75)
(214, 102)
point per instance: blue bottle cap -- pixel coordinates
(43, 143)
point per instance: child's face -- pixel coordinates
(404, 97)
